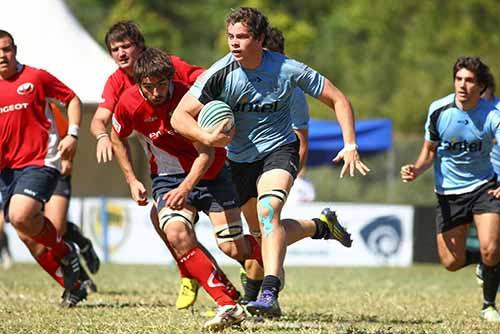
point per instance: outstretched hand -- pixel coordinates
(352, 162)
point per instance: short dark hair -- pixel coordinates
(5, 33)
(475, 65)
(490, 83)
(275, 41)
(124, 30)
(153, 62)
(254, 20)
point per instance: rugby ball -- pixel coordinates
(213, 113)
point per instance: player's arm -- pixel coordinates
(67, 146)
(183, 121)
(336, 100)
(303, 135)
(176, 198)
(123, 155)
(99, 129)
(425, 160)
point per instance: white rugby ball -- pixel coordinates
(213, 113)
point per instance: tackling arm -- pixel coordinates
(122, 151)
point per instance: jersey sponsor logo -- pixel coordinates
(251, 107)
(463, 121)
(159, 133)
(25, 88)
(12, 107)
(116, 125)
(462, 145)
(150, 119)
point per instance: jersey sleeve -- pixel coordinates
(186, 72)
(310, 81)
(121, 121)
(431, 125)
(55, 89)
(494, 120)
(110, 95)
(299, 110)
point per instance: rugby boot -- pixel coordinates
(336, 231)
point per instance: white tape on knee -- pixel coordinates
(168, 216)
(229, 232)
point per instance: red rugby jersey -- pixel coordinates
(28, 135)
(119, 81)
(167, 151)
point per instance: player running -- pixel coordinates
(125, 42)
(459, 134)
(30, 163)
(263, 153)
(187, 178)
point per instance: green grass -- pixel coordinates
(140, 299)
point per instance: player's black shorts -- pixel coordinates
(456, 210)
(245, 175)
(36, 182)
(63, 187)
(215, 195)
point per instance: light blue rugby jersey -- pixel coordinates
(464, 142)
(495, 152)
(260, 100)
(299, 110)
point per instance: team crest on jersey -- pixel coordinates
(25, 88)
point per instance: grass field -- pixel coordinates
(140, 299)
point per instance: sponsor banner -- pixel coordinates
(382, 234)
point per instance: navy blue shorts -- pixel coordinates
(215, 195)
(36, 182)
(456, 210)
(245, 175)
(63, 187)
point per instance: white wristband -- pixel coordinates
(350, 147)
(73, 130)
(101, 135)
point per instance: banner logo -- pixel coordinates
(383, 236)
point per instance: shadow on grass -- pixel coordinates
(118, 305)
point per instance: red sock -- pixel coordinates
(215, 283)
(49, 263)
(183, 273)
(49, 238)
(255, 253)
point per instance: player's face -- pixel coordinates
(467, 89)
(245, 48)
(125, 54)
(155, 90)
(7, 57)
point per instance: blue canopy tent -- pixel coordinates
(325, 139)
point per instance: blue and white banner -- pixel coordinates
(382, 234)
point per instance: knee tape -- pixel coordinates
(167, 216)
(229, 232)
(265, 204)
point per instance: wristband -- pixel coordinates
(101, 135)
(73, 130)
(350, 147)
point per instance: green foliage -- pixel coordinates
(392, 58)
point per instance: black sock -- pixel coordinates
(490, 284)
(321, 230)
(3, 240)
(74, 234)
(272, 283)
(472, 257)
(252, 289)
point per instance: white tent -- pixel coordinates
(49, 37)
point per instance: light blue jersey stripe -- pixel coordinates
(260, 100)
(465, 140)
